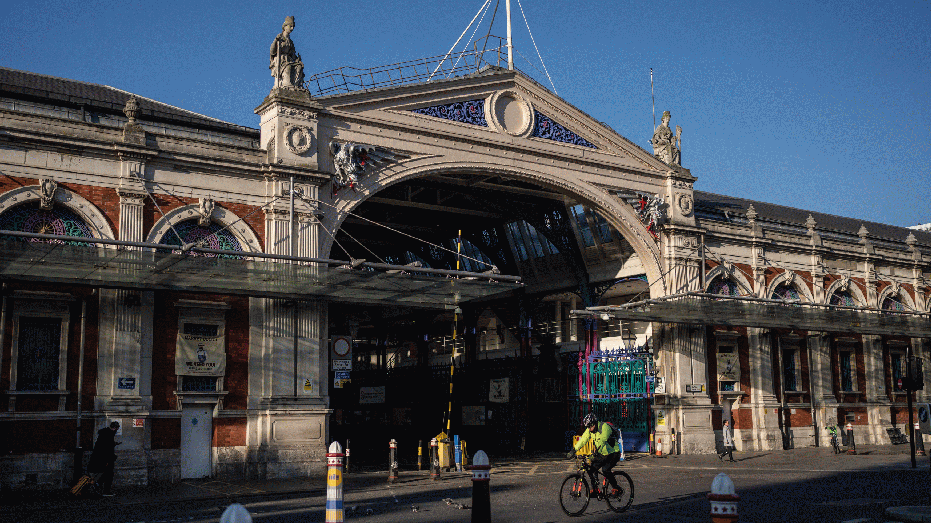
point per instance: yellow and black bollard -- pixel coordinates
(419, 453)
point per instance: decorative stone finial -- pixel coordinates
(845, 282)
(863, 234)
(666, 146)
(131, 110)
(206, 206)
(911, 241)
(811, 223)
(751, 214)
(47, 189)
(285, 63)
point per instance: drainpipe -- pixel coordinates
(78, 451)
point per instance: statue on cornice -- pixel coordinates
(665, 144)
(286, 66)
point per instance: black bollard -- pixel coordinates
(392, 460)
(481, 488)
(346, 459)
(851, 445)
(434, 461)
(919, 442)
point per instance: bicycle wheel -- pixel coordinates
(573, 495)
(625, 497)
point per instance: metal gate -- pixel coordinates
(616, 385)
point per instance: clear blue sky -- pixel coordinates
(821, 105)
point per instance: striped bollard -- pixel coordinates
(481, 488)
(334, 484)
(723, 500)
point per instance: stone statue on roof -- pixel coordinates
(665, 144)
(286, 66)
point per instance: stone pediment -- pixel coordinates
(497, 106)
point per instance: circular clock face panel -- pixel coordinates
(341, 347)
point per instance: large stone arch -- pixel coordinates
(615, 211)
(729, 271)
(848, 285)
(895, 291)
(247, 238)
(789, 277)
(76, 203)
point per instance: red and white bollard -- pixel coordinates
(851, 444)
(723, 500)
(334, 484)
(481, 488)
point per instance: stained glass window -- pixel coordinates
(893, 303)
(724, 287)
(59, 220)
(39, 353)
(785, 292)
(470, 112)
(843, 298)
(548, 129)
(213, 236)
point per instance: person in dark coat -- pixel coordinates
(104, 456)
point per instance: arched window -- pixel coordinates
(213, 236)
(724, 287)
(893, 303)
(785, 292)
(58, 220)
(843, 299)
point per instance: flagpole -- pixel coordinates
(510, 44)
(653, 99)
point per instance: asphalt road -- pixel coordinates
(802, 485)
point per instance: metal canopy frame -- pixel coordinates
(697, 308)
(48, 258)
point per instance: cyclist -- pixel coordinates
(606, 456)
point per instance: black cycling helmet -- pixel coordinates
(589, 420)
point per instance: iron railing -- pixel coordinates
(487, 51)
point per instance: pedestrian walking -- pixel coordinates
(728, 448)
(103, 457)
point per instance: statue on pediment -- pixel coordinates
(665, 144)
(285, 63)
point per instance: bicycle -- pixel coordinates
(575, 494)
(833, 431)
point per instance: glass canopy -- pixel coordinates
(135, 265)
(696, 308)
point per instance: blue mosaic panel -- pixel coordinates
(59, 220)
(471, 112)
(213, 236)
(550, 130)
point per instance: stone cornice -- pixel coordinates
(278, 171)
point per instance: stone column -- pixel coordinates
(821, 372)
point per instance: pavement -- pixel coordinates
(749, 471)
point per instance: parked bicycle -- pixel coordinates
(575, 493)
(834, 443)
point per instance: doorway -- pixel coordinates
(196, 435)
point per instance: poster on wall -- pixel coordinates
(372, 394)
(498, 390)
(199, 355)
(728, 366)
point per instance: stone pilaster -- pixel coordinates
(763, 400)
(824, 402)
